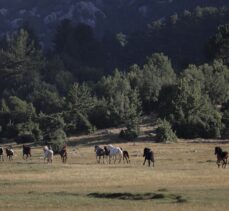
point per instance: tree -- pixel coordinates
(219, 44)
(20, 65)
(164, 132)
(193, 114)
(52, 127)
(156, 73)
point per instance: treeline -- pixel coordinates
(46, 97)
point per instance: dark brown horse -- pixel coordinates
(9, 153)
(26, 151)
(99, 152)
(64, 154)
(221, 157)
(125, 156)
(1, 154)
(149, 155)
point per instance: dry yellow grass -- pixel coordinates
(185, 177)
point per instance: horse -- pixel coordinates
(9, 152)
(48, 154)
(125, 156)
(1, 154)
(221, 156)
(26, 151)
(149, 155)
(63, 154)
(113, 152)
(100, 152)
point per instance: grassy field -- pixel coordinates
(185, 177)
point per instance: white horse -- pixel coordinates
(48, 154)
(114, 152)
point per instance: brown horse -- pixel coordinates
(221, 157)
(125, 156)
(9, 153)
(1, 154)
(64, 154)
(26, 151)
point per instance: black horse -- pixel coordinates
(26, 151)
(149, 155)
(1, 154)
(221, 157)
(100, 152)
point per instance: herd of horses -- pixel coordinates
(108, 152)
(26, 153)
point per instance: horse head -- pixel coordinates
(218, 150)
(146, 150)
(96, 147)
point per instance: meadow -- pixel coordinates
(185, 177)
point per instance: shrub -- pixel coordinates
(128, 134)
(164, 132)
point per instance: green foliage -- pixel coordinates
(123, 103)
(129, 135)
(156, 73)
(18, 120)
(20, 64)
(193, 114)
(216, 81)
(77, 122)
(52, 127)
(79, 98)
(164, 132)
(219, 44)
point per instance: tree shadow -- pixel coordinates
(172, 198)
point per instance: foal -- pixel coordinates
(221, 156)
(149, 155)
(125, 156)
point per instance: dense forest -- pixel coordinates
(176, 68)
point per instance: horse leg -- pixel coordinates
(144, 161)
(224, 163)
(124, 159)
(149, 163)
(218, 163)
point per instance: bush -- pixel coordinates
(164, 132)
(128, 134)
(56, 139)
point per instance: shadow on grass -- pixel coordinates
(96, 140)
(105, 139)
(139, 196)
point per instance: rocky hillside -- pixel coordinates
(103, 15)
